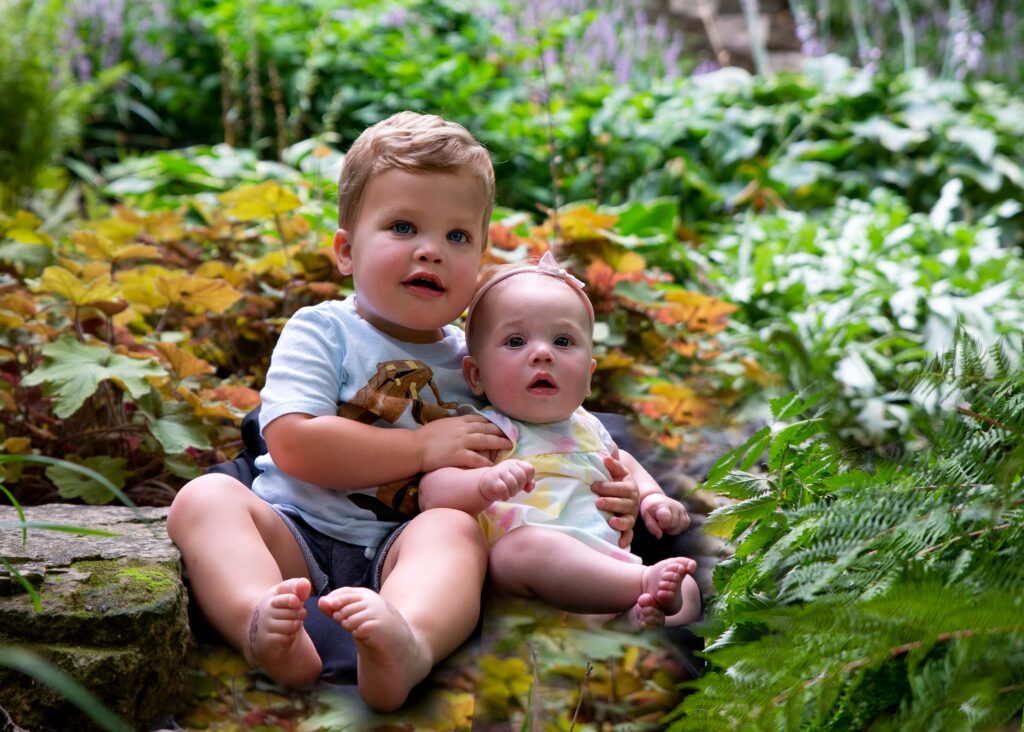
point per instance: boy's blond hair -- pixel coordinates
(415, 143)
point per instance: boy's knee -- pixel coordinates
(203, 496)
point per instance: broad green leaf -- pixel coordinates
(74, 371)
(174, 424)
(741, 457)
(73, 484)
(980, 141)
(791, 405)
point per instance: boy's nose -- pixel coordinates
(427, 251)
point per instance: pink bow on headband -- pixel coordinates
(546, 266)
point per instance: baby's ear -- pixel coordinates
(343, 252)
(472, 375)
(593, 365)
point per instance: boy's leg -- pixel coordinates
(247, 573)
(544, 563)
(428, 605)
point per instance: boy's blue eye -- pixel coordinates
(459, 237)
(515, 341)
(563, 341)
(402, 227)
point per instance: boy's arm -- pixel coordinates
(475, 489)
(343, 454)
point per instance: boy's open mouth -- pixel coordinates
(424, 282)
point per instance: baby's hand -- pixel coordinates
(663, 515)
(459, 442)
(506, 479)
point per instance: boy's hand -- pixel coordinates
(620, 497)
(459, 442)
(506, 479)
(664, 515)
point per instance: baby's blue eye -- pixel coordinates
(515, 341)
(402, 227)
(563, 341)
(459, 237)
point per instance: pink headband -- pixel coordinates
(546, 266)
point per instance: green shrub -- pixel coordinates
(40, 104)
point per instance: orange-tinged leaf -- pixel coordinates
(17, 303)
(675, 402)
(614, 360)
(163, 226)
(183, 363)
(697, 312)
(630, 262)
(240, 397)
(78, 291)
(259, 202)
(753, 371)
(139, 287)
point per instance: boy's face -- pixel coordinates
(414, 251)
(532, 349)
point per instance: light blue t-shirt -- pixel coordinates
(328, 361)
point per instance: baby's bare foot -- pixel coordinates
(390, 659)
(645, 614)
(664, 580)
(277, 642)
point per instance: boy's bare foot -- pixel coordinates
(644, 615)
(390, 659)
(277, 642)
(664, 581)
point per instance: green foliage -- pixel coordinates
(856, 298)
(896, 575)
(39, 103)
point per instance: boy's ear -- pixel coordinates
(472, 375)
(343, 252)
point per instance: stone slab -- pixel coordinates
(113, 613)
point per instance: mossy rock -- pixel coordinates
(113, 615)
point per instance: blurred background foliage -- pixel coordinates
(167, 196)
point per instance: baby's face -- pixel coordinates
(532, 350)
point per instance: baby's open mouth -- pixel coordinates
(542, 382)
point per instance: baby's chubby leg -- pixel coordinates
(239, 553)
(537, 562)
(428, 605)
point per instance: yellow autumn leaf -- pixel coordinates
(138, 286)
(204, 294)
(217, 269)
(259, 202)
(16, 445)
(10, 321)
(628, 263)
(98, 246)
(183, 363)
(209, 410)
(124, 226)
(24, 229)
(76, 290)
(164, 226)
(584, 222)
(614, 360)
(697, 312)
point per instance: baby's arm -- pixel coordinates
(475, 489)
(343, 454)
(661, 514)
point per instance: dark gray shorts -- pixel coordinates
(334, 563)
